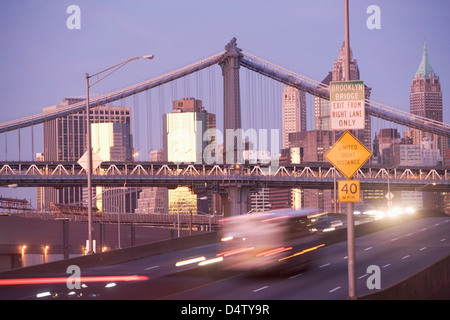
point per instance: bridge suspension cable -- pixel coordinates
(253, 63)
(114, 96)
(321, 90)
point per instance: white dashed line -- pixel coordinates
(442, 240)
(406, 257)
(386, 265)
(366, 249)
(363, 276)
(324, 265)
(149, 268)
(297, 275)
(333, 290)
(421, 249)
(394, 239)
(259, 289)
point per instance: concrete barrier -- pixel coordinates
(432, 282)
(119, 255)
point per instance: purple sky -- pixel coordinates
(43, 61)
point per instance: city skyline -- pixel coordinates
(60, 57)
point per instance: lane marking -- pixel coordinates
(259, 289)
(324, 265)
(333, 290)
(366, 249)
(297, 275)
(150, 268)
(394, 239)
(442, 240)
(363, 276)
(421, 249)
(406, 257)
(386, 265)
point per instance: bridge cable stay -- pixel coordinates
(250, 62)
(254, 63)
(113, 96)
(322, 91)
(136, 136)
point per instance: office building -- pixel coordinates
(111, 141)
(426, 99)
(426, 94)
(152, 199)
(65, 140)
(311, 146)
(294, 112)
(183, 131)
(322, 107)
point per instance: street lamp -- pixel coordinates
(89, 142)
(180, 207)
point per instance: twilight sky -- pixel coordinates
(42, 61)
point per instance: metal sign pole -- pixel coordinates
(350, 206)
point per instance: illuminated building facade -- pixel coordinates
(112, 142)
(294, 112)
(65, 140)
(183, 142)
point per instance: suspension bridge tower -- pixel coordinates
(235, 199)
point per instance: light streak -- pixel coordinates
(235, 251)
(213, 260)
(189, 261)
(31, 281)
(303, 251)
(273, 251)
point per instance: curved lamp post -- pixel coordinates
(89, 142)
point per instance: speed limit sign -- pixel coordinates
(348, 191)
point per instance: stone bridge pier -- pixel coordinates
(235, 200)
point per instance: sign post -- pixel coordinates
(348, 155)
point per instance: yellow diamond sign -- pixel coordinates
(348, 154)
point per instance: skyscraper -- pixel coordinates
(426, 97)
(426, 101)
(112, 142)
(294, 112)
(322, 107)
(65, 140)
(322, 121)
(183, 131)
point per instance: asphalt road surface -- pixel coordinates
(398, 251)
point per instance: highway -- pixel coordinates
(398, 251)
